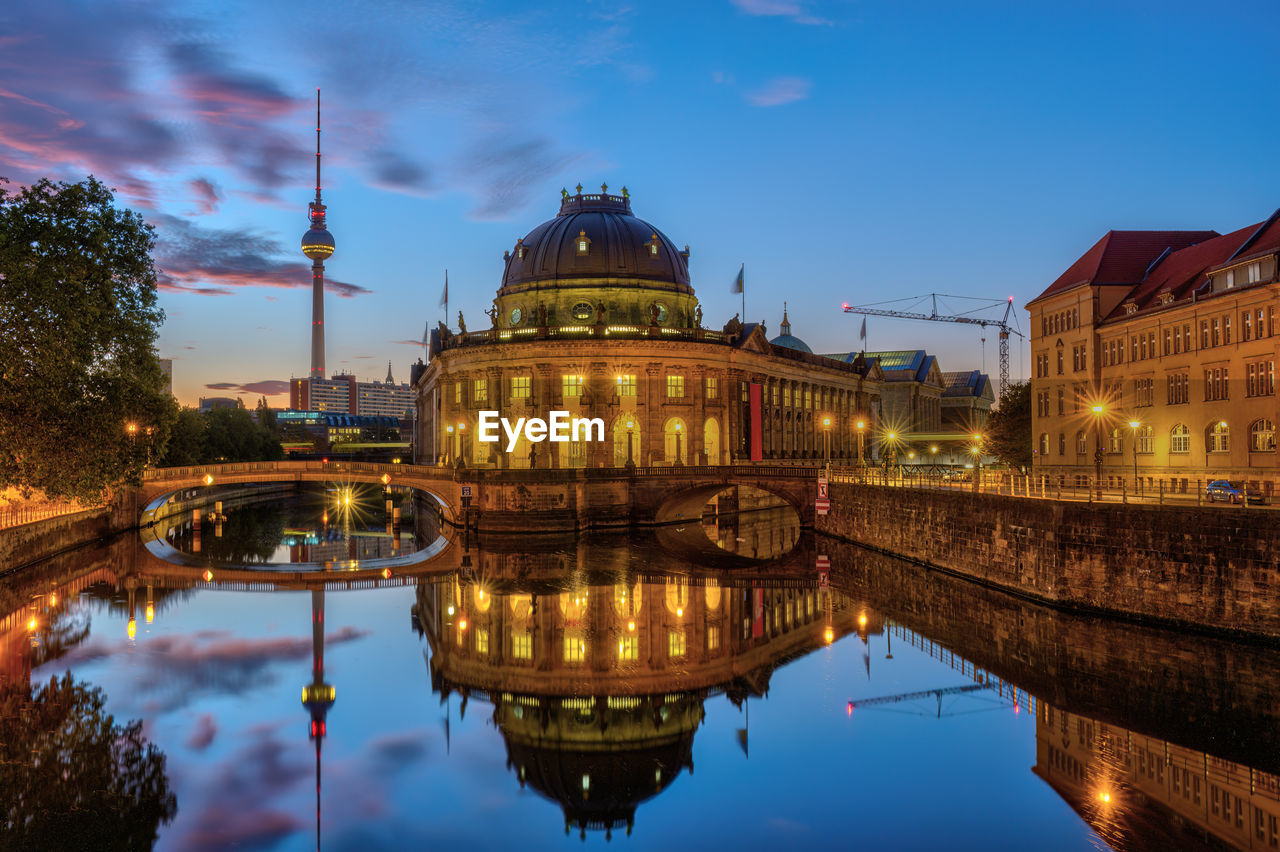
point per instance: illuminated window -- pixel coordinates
(575, 649)
(775, 396)
(480, 390)
(1219, 438)
(626, 385)
(520, 387)
(709, 387)
(675, 643)
(572, 386)
(482, 641)
(713, 638)
(1180, 439)
(457, 393)
(786, 396)
(584, 243)
(1082, 443)
(629, 647)
(1262, 437)
(675, 387)
(652, 246)
(808, 398)
(521, 644)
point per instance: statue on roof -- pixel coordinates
(493, 314)
(697, 317)
(733, 326)
(462, 324)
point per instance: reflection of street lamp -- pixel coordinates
(678, 461)
(1098, 412)
(1133, 430)
(826, 435)
(630, 425)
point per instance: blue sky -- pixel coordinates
(843, 151)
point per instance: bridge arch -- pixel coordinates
(687, 503)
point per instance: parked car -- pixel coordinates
(1233, 492)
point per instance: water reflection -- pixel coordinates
(596, 671)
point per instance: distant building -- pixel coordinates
(343, 394)
(1174, 332)
(166, 367)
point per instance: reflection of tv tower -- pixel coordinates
(317, 696)
(317, 244)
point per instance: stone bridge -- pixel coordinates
(516, 500)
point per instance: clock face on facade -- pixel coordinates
(583, 310)
(516, 316)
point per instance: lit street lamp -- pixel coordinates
(1133, 430)
(861, 426)
(826, 435)
(679, 463)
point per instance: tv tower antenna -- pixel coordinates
(317, 244)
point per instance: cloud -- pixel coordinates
(779, 91)
(206, 729)
(396, 172)
(269, 387)
(408, 342)
(207, 196)
(211, 261)
(780, 9)
(221, 386)
(506, 170)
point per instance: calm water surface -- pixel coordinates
(705, 686)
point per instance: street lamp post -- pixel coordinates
(462, 459)
(679, 463)
(977, 462)
(826, 435)
(1133, 434)
(630, 460)
(1098, 411)
(448, 445)
(861, 427)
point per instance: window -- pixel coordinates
(1254, 272)
(1219, 437)
(1044, 443)
(520, 387)
(709, 387)
(1180, 439)
(808, 398)
(676, 643)
(713, 638)
(626, 385)
(675, 387)
(1178, 385)
(1082, 443)
(1231, 278)
(786, 396)
(1145, 439)
(584, 243)
(575, 649)
(457, 393)
(1059, 360)
(1215, 384)
(629, 647)
(521, 644)
(1204, 334)
(1226, 330)
(1144, 392)
(1062, 395)
(775, 396)
(1262, 437)
(1062, 443)
(1116, 442)
(1246, 325)
(571, 387)
(1168, 341)
(1260, 378)
(480, 390)
(652, 246)
(482, 641)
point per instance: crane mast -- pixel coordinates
(1002, 324)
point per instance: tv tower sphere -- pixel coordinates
(317, 243)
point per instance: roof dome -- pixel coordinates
(787, 339)
(594, 237)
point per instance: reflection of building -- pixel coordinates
(1138, 792)
(318, 431)
(1174, 330)
(598, 687)
(596, 316)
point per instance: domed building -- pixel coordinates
(596, 316)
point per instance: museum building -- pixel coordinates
(595, 316)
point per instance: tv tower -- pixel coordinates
(317, 244)
(317, 696)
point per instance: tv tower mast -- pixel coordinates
(317, 244)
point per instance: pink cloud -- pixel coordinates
(781, 90)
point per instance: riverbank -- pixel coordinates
(1189, 567)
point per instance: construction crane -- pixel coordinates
(934, 316)
(916, 696)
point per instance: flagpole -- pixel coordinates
(743, 274)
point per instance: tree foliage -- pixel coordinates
(1009, 427)
(220, 435)
(78, 323)
(71, 778)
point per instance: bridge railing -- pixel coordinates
(16, 516)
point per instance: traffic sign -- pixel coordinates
(823, 503)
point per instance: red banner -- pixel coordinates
(757, 445)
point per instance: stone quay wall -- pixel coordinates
(29, 543)
(1211, 568)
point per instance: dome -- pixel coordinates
(595, 237)
(787, 339)
(317, 243)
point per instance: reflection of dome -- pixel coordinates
(317, 243)
(787, 339)
(596, 236)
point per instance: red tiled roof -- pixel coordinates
(1183, 271)
(1122, 257)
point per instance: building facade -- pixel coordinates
(342, 394)
(596, 316)
(1154, 360)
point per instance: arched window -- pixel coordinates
(1116, 443)
(1262, 437)
(1044, 443)
(1217, 437)
(1082, 443)
(1180, 439)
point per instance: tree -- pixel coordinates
(71, 778)
(266, 417)
(231, 435)
(1008, 433)
(82, 401)
(186, 440)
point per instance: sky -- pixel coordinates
(856, 152)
